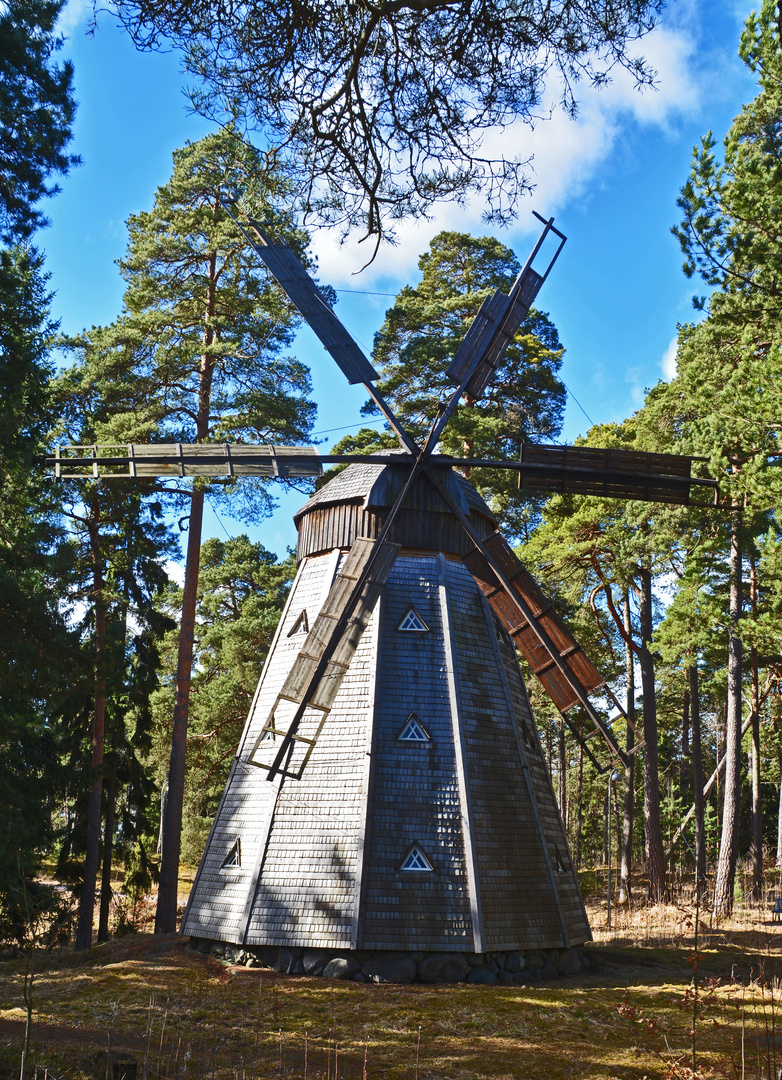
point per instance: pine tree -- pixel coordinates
(378, 109)
(195, 357)
(40, 654)
(36, 113)
(729, 367)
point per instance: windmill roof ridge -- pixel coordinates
(378, 485)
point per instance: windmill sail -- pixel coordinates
(561, 665)
(608, 472)
(495, 325)
(289, 734)
(283, 264)
(184, 459)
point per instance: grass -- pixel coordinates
(182, 1015)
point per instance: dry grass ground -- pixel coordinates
(184, 1016)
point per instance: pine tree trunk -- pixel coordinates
(757, 810)
(108, 848)
(580, 806)
(779, 817)
(562, 773)
(729, 843)
(684, 763)
(166, 911)
(626, 854)
(655, 855)
(697, 777)
(92, 856)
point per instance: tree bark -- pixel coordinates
(756, 835)
(779, 816)
(562, 772)
(580, 806)
(92, 856)
(166, 911)
(655, 855)
(696, 744)
(684, 772)
(108, 848)
(729, 843)
(626, 854)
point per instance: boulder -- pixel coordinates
(314, 962)
(514, 961)
(391, 968)
(285, 962)
(482, 976)
(569, 962)
(341, 967)
(443, 968)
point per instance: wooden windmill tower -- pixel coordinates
(389, 793)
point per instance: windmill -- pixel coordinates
(389, 793)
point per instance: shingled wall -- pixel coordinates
(320, 857)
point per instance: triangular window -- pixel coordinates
(498, 631)
(234, 856)
(413, 621)
(416, 860)
(301, 626)
(269, 730)
(559, 864)
(414, 731)
(526, 736)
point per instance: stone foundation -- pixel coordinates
(486, 969)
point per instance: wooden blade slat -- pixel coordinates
(479, 335)
(491, 332)
(322, 632)
(540, 659)
(606, 472)
(283, 264)
(184, 459)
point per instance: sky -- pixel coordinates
(610, 178)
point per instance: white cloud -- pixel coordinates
(75, 15)
(566, 157)
(668, 362)
(175, 570)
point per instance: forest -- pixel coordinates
(123, 693)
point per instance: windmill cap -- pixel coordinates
(356, 501)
